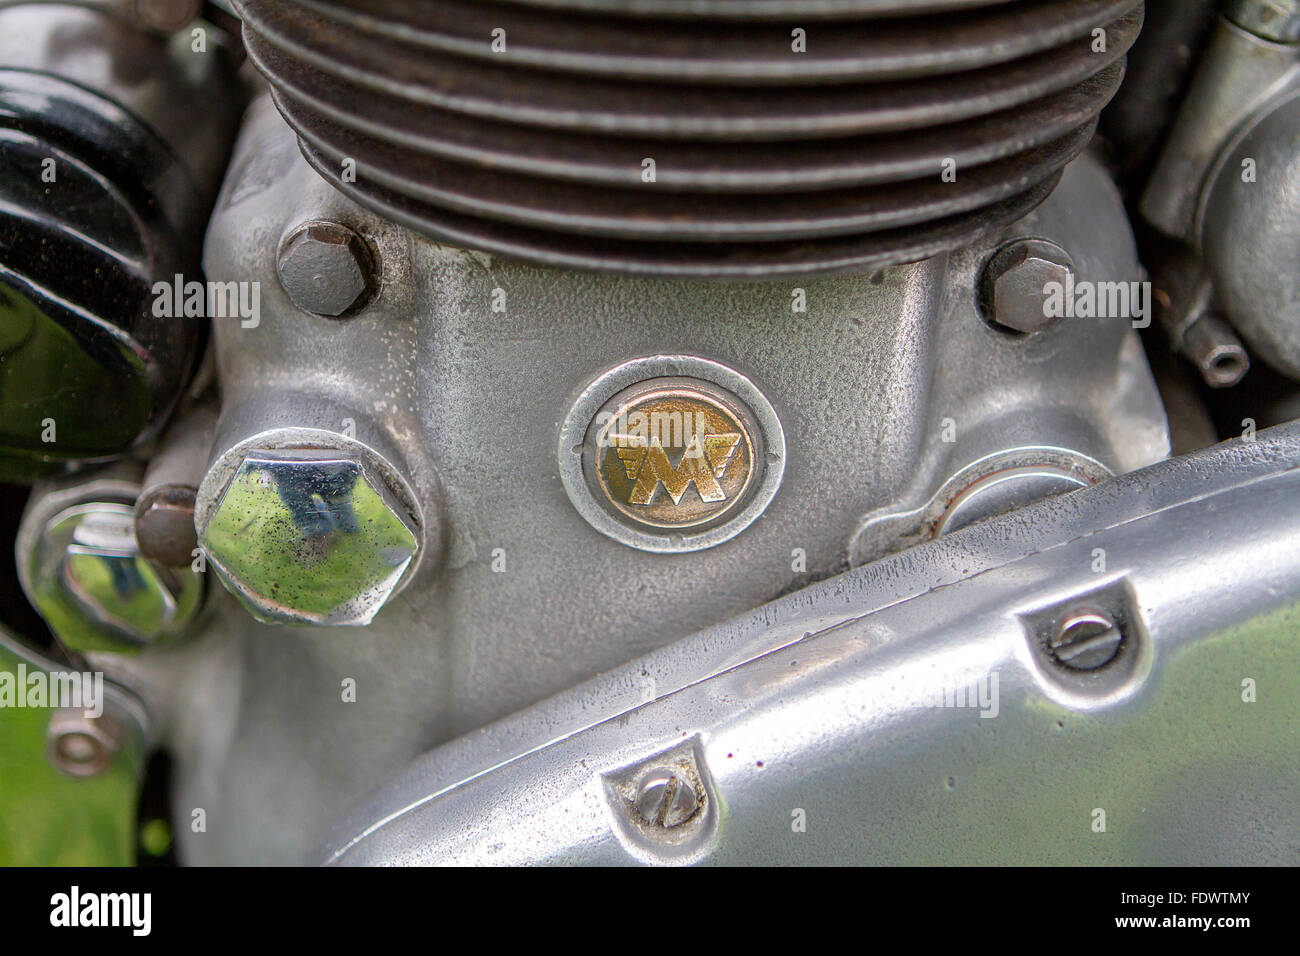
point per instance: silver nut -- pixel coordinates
(82, 746)
(86, 576)
(325, 268)
(311, 536)
(1015, 283)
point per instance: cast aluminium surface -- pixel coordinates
(517, 597)
(814, 731)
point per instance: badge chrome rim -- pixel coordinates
(764, 435)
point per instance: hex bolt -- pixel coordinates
(325, 268)
(1086, 641)
(666, 799)
(309, 535)
(164, 509)
(1013, 287)
(164, 526)
(78, 745)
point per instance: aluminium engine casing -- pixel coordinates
(886, 387)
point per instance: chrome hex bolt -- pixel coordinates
(310, 535)
(83, 572)
(325, 268)
(1013, 287)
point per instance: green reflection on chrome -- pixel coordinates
(308, 539)
(97, 593)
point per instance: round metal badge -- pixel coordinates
(671, 453)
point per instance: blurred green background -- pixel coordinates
(47, 819)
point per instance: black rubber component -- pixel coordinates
(81, 350)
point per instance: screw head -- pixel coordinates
(1086, 641)
(311, 536)
(81, 746)
(325, 268)
(666, 798)
(97, 591)
(1013, 287)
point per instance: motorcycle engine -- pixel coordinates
(610, 431)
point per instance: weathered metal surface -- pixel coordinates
(700, 147)
(517, 597)
(918, 710)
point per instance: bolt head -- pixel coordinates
(1015, 283)
(164, 526)
(81, 746)
(97, 592)
(311, 536)
(324, 268)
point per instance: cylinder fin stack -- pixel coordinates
(713, 138)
